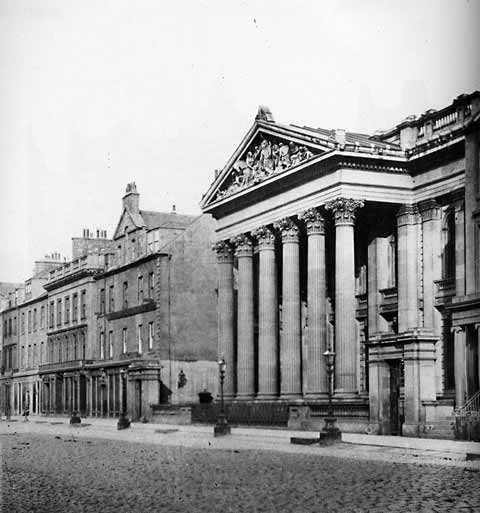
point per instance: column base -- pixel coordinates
(316, 396)
(411, 430)
(296, 398)
(266, 397)
(245, 397)
(345, 394)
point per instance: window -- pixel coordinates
(111, 299)
(125, 294)
(151, 285)
(140, 289)
(110, 344)
(52, 315)
(392, 261)
(82, 343)
(34, 319)
(150, 335)
(29, 322)
(139, 338)
(153, 241)
(10, 327)
(102, 345)
(22, 324)
(75, 347)
(83, 304)
(66, 320)
(42, 353)
(59, 312)
(5, 328)
(75, 307)
(102, 301)
(448, 246)
(124, 340)
(15, 325)
(42, 317)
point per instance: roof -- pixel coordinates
(6, 287)
(351, 137)
(165, 220)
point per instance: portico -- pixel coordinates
(326, 241)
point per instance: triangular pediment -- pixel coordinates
(268, 150)
(126, 222)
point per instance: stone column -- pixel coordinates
(408, 254)
(344, 210)
(290, 344)
(226, 347)
(267, 315)
(316, 374)
(460, 365)
(245, 337)
(459, 205)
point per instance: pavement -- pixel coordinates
(49, 466)
(352, 445)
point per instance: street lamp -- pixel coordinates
(123, 420)
(221, 427)
(330, 432)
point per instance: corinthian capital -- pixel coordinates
(243, 245)
(265, 237)
(224, 251)
(344, 209)
(314, 221)
(288, 229)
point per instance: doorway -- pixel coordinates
(138, 400)
(395, 404)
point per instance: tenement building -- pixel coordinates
(364, 245)
(129, 323)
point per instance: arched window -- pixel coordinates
(448, 245)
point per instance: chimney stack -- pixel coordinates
(131, 200)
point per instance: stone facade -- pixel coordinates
(130, 318)
(365, 245)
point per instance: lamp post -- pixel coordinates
(330, 432)
(123, 420)
(221, 427)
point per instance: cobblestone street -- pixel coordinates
(59, 472)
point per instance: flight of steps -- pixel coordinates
(443, 429)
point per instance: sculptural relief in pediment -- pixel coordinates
(265, 157)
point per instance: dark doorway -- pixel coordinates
(83, 396)
(138, 400)
(395, 383)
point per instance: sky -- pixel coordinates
(97, 94)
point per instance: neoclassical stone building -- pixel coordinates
(367, 245)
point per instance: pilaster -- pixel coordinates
(459, 206)
(408, 250)
(419, 366)
(431, 213)
(378, 273)
(460, 365)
